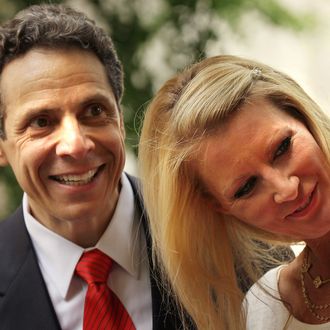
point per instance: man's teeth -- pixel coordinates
(305, 205)
(75, 180)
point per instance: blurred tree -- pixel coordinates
(156, 38)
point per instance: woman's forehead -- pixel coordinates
(249, 136)
(248, 121)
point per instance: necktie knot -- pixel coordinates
(94, 267)
(102, 310)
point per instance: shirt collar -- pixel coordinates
(121, 239)
(58, 256)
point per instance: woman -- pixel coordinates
(232, 153)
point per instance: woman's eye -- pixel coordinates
(246, 188)
(283, 147)
(40, 122)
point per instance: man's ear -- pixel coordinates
(3, 157)
(122, 125)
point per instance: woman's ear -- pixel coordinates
(3, 157)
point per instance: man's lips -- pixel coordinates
(77, 179)
(305, 206)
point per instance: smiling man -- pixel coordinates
(62, 133)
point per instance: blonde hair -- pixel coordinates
(196, 247)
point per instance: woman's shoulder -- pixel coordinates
(263, 306)
(267, 284)
(265, 310)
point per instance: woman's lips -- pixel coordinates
(305, 207)
(301, 208)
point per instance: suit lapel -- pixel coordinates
(24, 299)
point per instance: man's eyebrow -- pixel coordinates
(99, 97)
(34, 111)
(40, 109)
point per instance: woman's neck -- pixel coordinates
(319, 254)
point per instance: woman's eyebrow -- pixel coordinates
(235, 184)
(276, 139)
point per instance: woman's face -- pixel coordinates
(265, 168)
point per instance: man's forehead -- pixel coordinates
(42, 69)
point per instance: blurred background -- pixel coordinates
(155, 38)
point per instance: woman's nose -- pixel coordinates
(286, 187)
(73, 141)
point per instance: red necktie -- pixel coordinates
(103, 310)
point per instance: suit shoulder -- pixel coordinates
(13, 233)
(10, 223)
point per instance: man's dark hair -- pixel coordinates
(57, 26)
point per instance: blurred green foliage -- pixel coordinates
(169, 33)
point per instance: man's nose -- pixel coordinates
(73, 141)
(286, 187)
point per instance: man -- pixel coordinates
(62, 133)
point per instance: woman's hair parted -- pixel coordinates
(197, 247)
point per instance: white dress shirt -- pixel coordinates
(123, 241)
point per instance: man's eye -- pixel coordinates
(246, 188)
(40, 122)
(94, 110)
(283, 147)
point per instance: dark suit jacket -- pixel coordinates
(24, 300)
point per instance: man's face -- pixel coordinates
(64, 136)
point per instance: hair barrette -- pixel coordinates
(256, 73)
